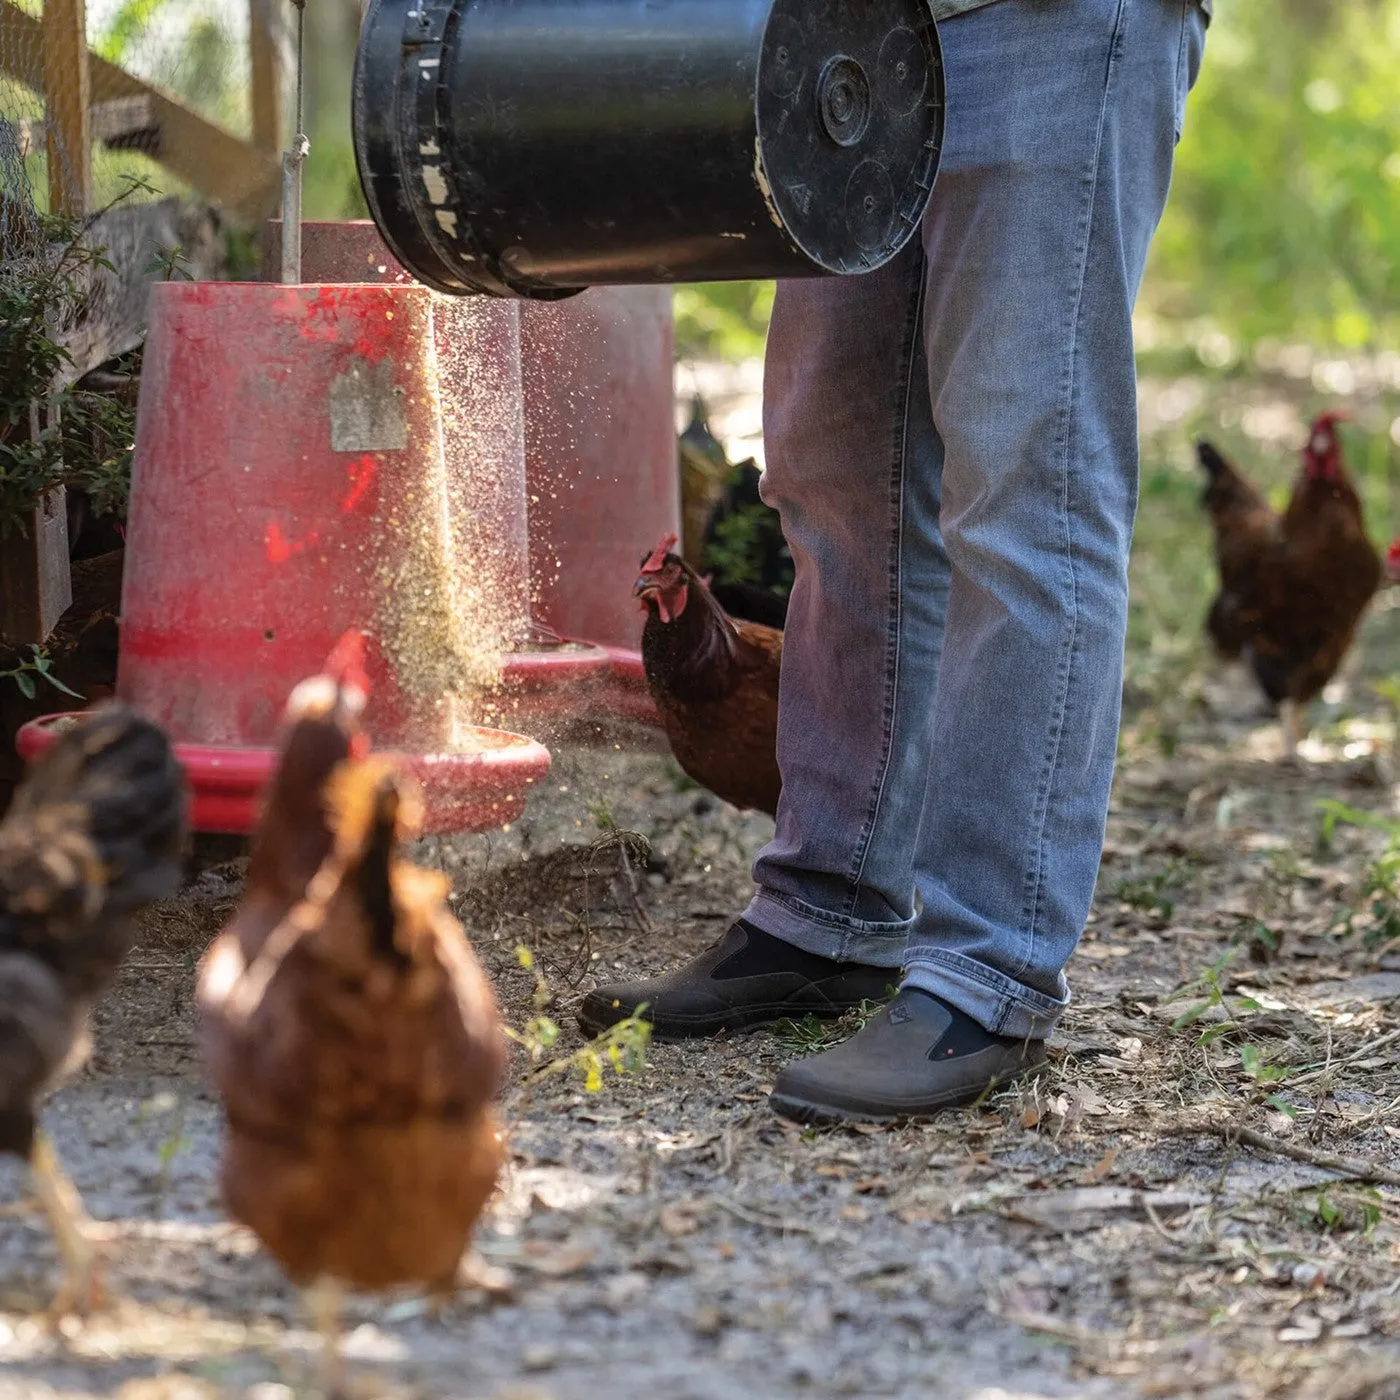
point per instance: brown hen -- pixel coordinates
(714, 680)
(350, 1030)
(95, 831)
(1293, 588)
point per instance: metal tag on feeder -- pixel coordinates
(537, 147)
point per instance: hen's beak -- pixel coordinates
(645, 586)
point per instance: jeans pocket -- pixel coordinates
(1188, 58)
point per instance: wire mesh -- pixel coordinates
(142, 53)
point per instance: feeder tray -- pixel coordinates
(472, 791)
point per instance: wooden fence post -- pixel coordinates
(264, 42)
(68, 94)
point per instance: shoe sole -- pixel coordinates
(670, 1032)
(810, 1113)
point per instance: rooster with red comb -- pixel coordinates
(714, 679)
(1293, 587)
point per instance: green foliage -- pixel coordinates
(126, 28)
(50, 433)
(1209, 991)
(1341, 1208)
(1285, 215)
(724, 319)
(30, 670)
(1152, 894)
(1377, 916)
(809, 1035)
(736, 552)
(621, 1048)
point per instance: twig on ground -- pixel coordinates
(1366, 1052)
(767, 1222)
(1353, 1168)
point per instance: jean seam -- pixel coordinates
(1179, 110)
(1070, 648)
(913, 320)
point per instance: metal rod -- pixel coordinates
(291, 166)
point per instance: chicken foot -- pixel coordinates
(323, 1300)
(81, 1289)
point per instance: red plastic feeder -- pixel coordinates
(600, 454)
(290, 483)
(600, 467)
(478, 343)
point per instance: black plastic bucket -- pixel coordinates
(536, 147)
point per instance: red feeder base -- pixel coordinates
(573, 681)
(474, 791)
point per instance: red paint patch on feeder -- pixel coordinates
(361, 475)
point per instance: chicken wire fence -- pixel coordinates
(141, 55)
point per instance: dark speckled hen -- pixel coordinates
(96, 831)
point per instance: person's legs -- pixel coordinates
(1054, 172)
(849, 445)
(1062, 120)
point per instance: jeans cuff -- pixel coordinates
(1003, 1006)
(829, 935)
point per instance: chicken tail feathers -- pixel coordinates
(373, 810)
(1213, 463)
(372, 872)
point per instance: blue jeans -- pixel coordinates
(952, 444)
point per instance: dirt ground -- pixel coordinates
(1102, 1231)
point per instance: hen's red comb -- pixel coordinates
(1392, 554)
(655, 561)
(346, 663)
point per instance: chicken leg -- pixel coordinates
(323, 1300)
(1292, 731)
(81, 1289)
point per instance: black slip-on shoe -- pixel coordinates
(747, 978)
(915, 1056)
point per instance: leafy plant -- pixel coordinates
(1378, 915)
(621, 1047)
(31, 670)
(741, 542)
(1344, 1208)
(809, 1035)
(1209, 990)
(53, 434)
(1255, 1067)
(1152, 893)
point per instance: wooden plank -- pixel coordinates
(68, 95)
(213, 161)
(125, 123)
(136, 236)
(266, 57)
(36, 585)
